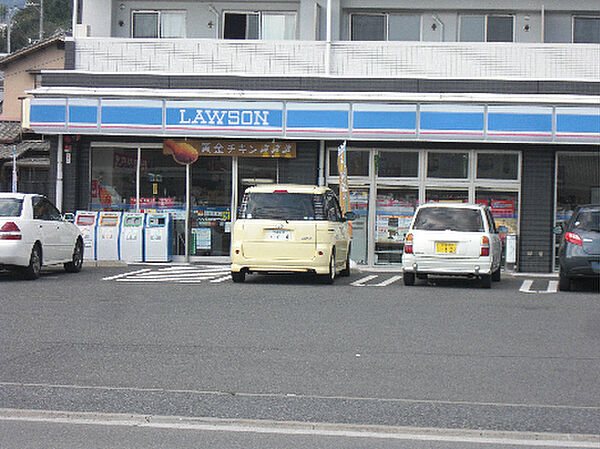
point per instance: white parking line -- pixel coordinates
(387, 282)
(122, 275)
(526, 286)
(552, 287)
(528, 283)
(225, 278)
(361, 282)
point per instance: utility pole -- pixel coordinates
(41, 19)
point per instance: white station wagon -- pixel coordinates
(33, 234)
(452, 239)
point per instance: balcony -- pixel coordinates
(456, 60)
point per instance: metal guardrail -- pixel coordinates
(448, 60)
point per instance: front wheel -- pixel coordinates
(77, 262)
(33, 270)
(238, 276)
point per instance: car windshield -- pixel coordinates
(280, 206)
(10, 207)
(449, 218)
(587, 220)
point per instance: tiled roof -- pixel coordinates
(6, 151)
(9, 131)
(57, 37)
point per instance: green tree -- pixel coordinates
(25, 22)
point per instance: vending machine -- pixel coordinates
(107, 240)
(132, 237)
(87, 222)
(157, 237)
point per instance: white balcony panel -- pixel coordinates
(573, 62)
(468, 60)
(199, 56)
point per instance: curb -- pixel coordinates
(304, 428)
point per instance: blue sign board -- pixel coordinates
(380, 121)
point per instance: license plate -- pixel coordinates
(445, 248)
(279, 234)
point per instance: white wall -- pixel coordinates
(96, 14)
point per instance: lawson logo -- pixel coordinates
(223, 117)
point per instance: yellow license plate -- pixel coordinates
(445, 248)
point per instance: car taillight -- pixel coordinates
(485, 246)
(408, 244)
(573, 238)
(11, 229)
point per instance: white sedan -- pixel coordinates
(33, 234)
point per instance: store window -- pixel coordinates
(256, 171)
(447, 165)
(487, 28)
(578, 182)
(357, 162)
(155, 24)
(259, 25)
(113, 182)
(380, 27)
(397, 164)
(395, 209)
(504, 206)
(447, 195)
(497, 166)
(586, 30)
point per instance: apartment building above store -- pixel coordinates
(545, 42)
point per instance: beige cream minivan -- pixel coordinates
(290, 228)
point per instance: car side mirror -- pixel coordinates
(350, 216)
(558, 229)
(69, 217)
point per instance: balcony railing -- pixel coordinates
(458, 60)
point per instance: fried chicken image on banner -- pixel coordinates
(182, 152)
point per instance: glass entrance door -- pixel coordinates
(359, 204)
(394, 211)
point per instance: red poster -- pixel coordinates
(503, 207)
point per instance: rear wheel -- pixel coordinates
(75, 265)
(564, 283)
(486, 280)
(330, 276)
(238, 276)
(33, 270)
(346, 271)
(409, 278)
(496, 275)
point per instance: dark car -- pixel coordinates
(579, 250)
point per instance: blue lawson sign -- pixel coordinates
(379, 121)
(256, 118)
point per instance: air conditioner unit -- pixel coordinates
(82, 30)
